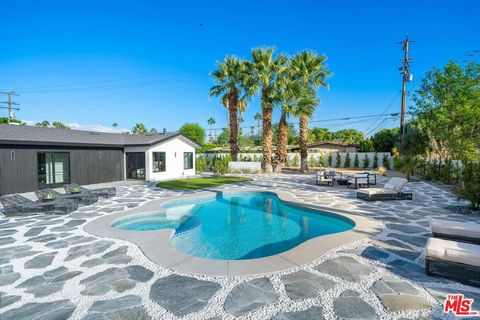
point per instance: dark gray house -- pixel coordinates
(32, 158)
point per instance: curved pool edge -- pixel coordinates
(157, 247)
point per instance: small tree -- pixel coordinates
(220, 167)
(338, 161)
(287, 161)
(471, 184)
(200, 164)
(312, 161)
(356, 162)
(321, 161)
(347, 161)
(296, 160)
(330, 159)
(386, 161)
(366, 161)
(375, 160)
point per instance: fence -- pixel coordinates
(316, 158)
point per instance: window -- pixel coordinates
(188, 160)
(53, 168)
(158, 160)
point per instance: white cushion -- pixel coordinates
(453, 228)
(389, 186)
(453, 251)
(372, 191)
(397, 183)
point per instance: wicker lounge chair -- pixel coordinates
(101, 192)
(391, 191)
(456, 231)
(453, 260)
(17, 204)
(322, 179)
(83, 198)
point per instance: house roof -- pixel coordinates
(29, 135)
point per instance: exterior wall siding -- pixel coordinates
(87, 166)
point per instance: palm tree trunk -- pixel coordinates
(282, 142)
(267, 136)
(233, 122)
(303, 143)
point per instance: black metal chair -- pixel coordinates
(101, 192)
(17, 204)
(83, 198)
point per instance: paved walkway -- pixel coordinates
(51, 269)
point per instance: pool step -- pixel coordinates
(188, 225)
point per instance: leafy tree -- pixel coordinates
(320, 134)
(224, 137)
(311, 71)
(385, 139)
(386, 162)
(447, 111)
(356, 161)
(139, 129)
(232, 86)
(471, 183)
(295, 161)
(44, 124)
(338, 161)
(266, 67)
(312, 161)
(194, 131)
(115, 125)
(321, 160)
(330, 159)
(347, 161)
(8, 120)
(60, 125)
(366, 145)
(349, 135)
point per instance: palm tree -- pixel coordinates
(258, 118)
(232, 85)
(114, 125)
(211, 121)
(266, 68)
(310, 70)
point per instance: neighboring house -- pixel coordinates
(328, 146)
(32, 158)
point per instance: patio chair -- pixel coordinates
(17, 204)
(101, 192)
(322, 179)
(456, 231)
(453, 260)
(46, 194)
(392, 190)
(372, 178)
(358, 180)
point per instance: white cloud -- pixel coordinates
(86, 127)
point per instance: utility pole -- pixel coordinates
(10, 104)
(405, 71)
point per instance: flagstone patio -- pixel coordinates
(51, 269)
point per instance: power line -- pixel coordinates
(384, 111)
(10, 104)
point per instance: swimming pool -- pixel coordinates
(237, 226)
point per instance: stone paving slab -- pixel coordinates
(345, 268)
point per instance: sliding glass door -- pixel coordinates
(53, 169)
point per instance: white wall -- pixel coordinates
(174, 150)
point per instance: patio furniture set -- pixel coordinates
(453, 251)
(356, 181)
(54, 202)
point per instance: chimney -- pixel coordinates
(164, 130)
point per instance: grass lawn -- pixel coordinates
(199, 183)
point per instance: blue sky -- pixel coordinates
(99, 62)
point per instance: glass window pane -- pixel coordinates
(187, 160)
(158, 161)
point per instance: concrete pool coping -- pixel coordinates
(157, 247)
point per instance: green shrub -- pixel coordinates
(296, 160)
(200, 164)
(338, 160)
(321, 160)
(356, 162)
(312, 161)
(220, 166)
(366, 161)
(287, 161)
(386, 161)
(347, 161)
(471, 184)
(406, 165)
(375, 160)
(330, 159)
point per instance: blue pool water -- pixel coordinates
(237, 226)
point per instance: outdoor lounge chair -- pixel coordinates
(392, 190)
(358, 180)
(101, 192)
(322, 179)
(17, 204)
(456, 231)
(453, 260)
(83, 198)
